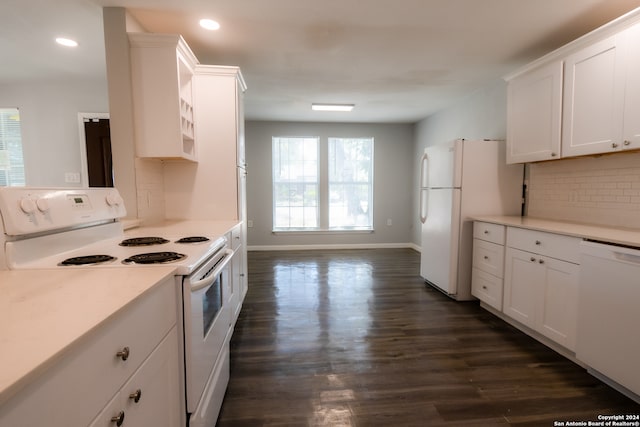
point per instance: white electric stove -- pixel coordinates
(80, 228)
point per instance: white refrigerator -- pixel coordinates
(459, 180)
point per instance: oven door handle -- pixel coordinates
(208, 281)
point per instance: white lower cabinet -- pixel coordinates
(136, 349)
(541, 291)
(488, 263)
(150, 398)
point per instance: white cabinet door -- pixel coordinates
(557, 315)
(593, 99)
(541, 293)
(631, 129)
(522, 277)
(534, 112)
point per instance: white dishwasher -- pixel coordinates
(608, 338)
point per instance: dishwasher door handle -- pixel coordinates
(621, 256)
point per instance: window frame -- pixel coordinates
(323, 207)
(317, 183)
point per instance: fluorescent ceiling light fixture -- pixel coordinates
(209, 24)
(332, 107)
(66, 42)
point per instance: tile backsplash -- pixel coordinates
(150, 190)
(603, 190)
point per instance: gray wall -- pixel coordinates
(394, 152)
(481, 115)
(49, 124)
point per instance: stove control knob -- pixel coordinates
(43, 205)
(28, 206)
(114, 199)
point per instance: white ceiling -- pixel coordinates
(397, 60)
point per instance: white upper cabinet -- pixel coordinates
(581, 99)
(631, 122)
(534, 111)
(594, 98)
(602, 96)
(161, 72)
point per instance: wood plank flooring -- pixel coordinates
(355, 338)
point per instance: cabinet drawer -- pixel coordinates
(82, 383)
(549, 244)
(488, 257)
(487, 288)
(157, 382)
(490, 232)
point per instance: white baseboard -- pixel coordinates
(330, 247)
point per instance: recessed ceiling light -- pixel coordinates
(332, 107)
(209, 24)
(66, 42)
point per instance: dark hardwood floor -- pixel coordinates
(355, 338)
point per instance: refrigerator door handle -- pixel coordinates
(424, 199)
(424, 193)
(424, 167)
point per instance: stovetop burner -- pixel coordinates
(88, 259)
(143, 241)
(154, 258)
(193, 239)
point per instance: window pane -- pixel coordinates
(11, 159)
(295, 182)
(351, 183)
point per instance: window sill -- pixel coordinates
(319, 232)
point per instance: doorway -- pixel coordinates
(95, 153)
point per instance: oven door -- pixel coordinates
(206, 321)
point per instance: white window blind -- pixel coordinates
(351, 183)
(11, 159)
(295, 183)
(322, 184)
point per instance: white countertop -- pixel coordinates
(621, 236)
(182, 228)
(43, 312)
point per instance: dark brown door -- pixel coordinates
(99, 162)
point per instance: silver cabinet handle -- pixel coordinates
(533, 259)
(627, 142)
(136, 395)
(486, 257)
(124, 353)
(541, 261)
(486, 231)
(553, 154)
(538, 242)
(118, 419)
(614, 145)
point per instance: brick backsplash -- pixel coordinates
(603, 190)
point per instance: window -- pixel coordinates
(350, 183)
(11, 160)
(322, 185)
(295, 183)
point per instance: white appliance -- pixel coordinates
(608, 318)
(458, 180)
(44, 228)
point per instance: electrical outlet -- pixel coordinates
(250, 223)
(72, 177)
(389, 222)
